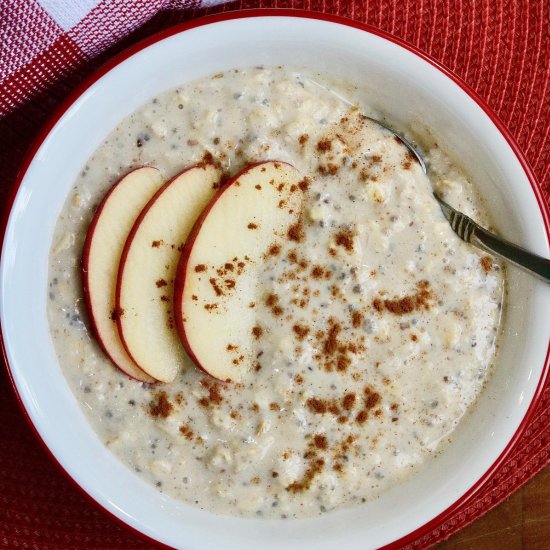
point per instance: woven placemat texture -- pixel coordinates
(501, 48)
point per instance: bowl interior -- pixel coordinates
(394, 81)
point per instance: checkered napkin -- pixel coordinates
(43, 39)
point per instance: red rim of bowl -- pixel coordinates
(271, 12)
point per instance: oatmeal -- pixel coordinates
(375, 326)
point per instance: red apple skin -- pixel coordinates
(127, 248)
(85, 285)
(179, 283)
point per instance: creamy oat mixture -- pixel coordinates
(376, 331)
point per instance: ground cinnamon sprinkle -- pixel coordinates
(117, 313)
(303, 138)
(372, 398)
(348, 401)
(309, 475)
(296, 232)
(252, 226)
(277, 311)
(238, 360)
(362, 417)
(161, 407)
(186, 431)
(324, 145)
(208, 160)
(214, 395)
(304, 184)
(408, 160)
(156, 244)
(344, 238)
(342, 363)
(486, 263)
(330, 168)
(322, 406)
(274, 250)
(257, 332)
(300, 331)
(316, 405)
(331, 343)
(356, 319)
(400, 306)
(230, 283)
(320, 441)
(200, 268)
(203, 402)
(317, 272)
(160, 283)
(217, 289)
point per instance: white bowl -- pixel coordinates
(396, 79)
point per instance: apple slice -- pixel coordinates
(103, 247)
(217, 280)
(144, 294)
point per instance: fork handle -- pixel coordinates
(537, 265)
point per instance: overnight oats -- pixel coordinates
(339, 329)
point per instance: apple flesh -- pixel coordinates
(103, 247)
(144, 294)
(217, 279)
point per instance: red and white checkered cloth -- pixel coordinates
(42, 39)
(501, 48)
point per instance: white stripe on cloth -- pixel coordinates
(67, 13)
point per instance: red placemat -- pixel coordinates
(500, 48)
